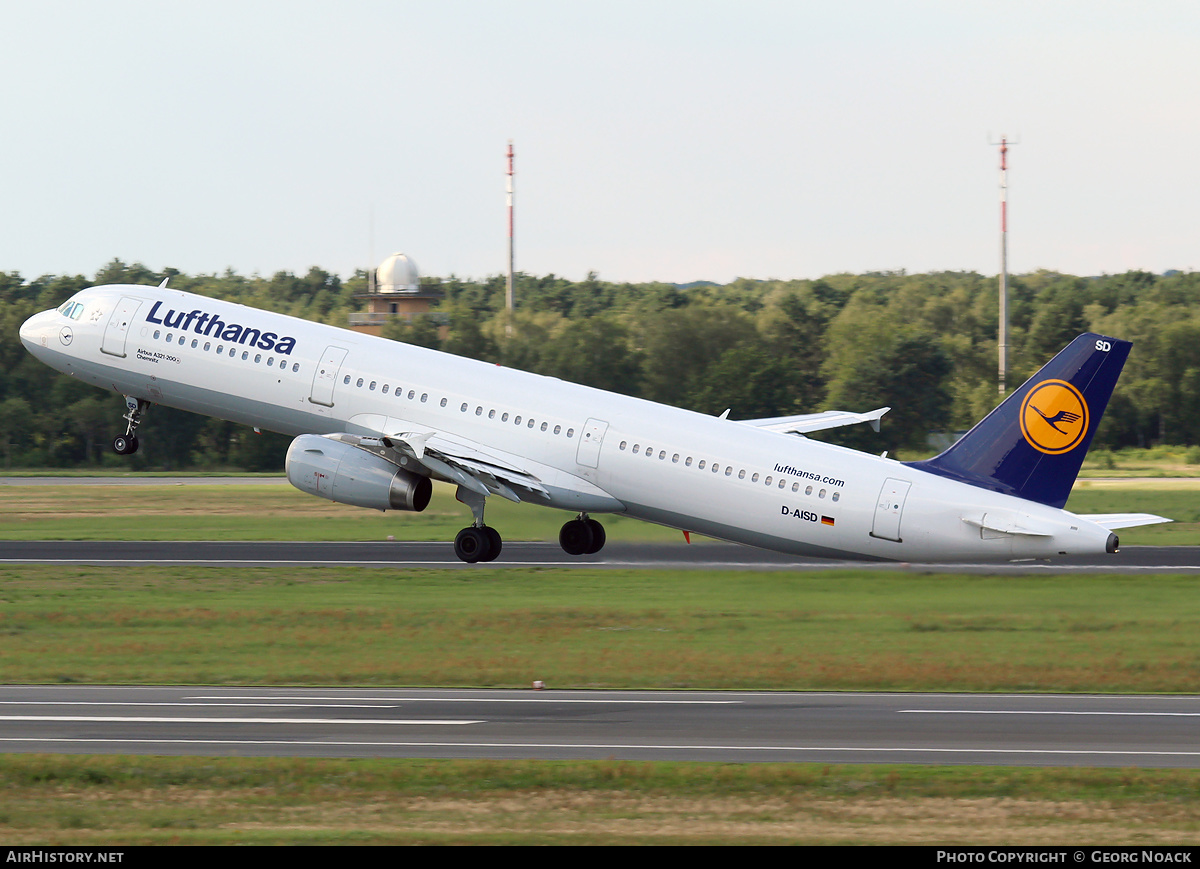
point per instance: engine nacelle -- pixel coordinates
(340, 472)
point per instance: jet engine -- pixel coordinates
(343, 473)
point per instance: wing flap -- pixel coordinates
(464, 463)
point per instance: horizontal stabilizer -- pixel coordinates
(1123, 520)
(1000, 525)
(806, 422)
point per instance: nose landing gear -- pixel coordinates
(125, 444)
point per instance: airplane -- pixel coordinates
(375, 421)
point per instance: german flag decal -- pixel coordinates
(826, 520)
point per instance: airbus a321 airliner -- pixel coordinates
(375, 421)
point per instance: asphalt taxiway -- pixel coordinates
(399, 554)
(1025, 730)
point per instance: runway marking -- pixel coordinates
(333, 702)
(1049, 752)
(490, 700)
(405, 562)
(1044, 712)
(400, 561)
(201, 705)
(115, 719)
(250, 562)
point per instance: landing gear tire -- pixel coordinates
(473, 544)
(581, 537)
(495, 543)
(124, 445)
(598, 536)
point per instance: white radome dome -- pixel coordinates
(397, 274)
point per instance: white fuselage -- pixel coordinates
(595, 451)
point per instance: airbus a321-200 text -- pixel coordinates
(375, 421)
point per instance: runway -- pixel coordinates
(1026, 730)
(616, 555)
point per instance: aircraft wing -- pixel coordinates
(1123, 520)
(452, 459)
(807, 422)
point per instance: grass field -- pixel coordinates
(201, 510)
(114, 801)
(837, 630)
(581, 628)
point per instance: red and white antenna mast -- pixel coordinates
(1003, 262)
(508, 293)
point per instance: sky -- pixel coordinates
(655, 140)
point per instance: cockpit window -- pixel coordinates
(72, 309)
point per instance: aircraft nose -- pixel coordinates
(35, 331)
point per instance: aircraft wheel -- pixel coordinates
(598, 536)
(472, 545)
(495, 543)
(125, 445)
(576, 537)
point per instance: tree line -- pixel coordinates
(925, 344)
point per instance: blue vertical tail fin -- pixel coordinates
(1033, 444)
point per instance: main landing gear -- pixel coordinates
(582, 536)
(480, 542)
(127, 443)
(477, 542)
